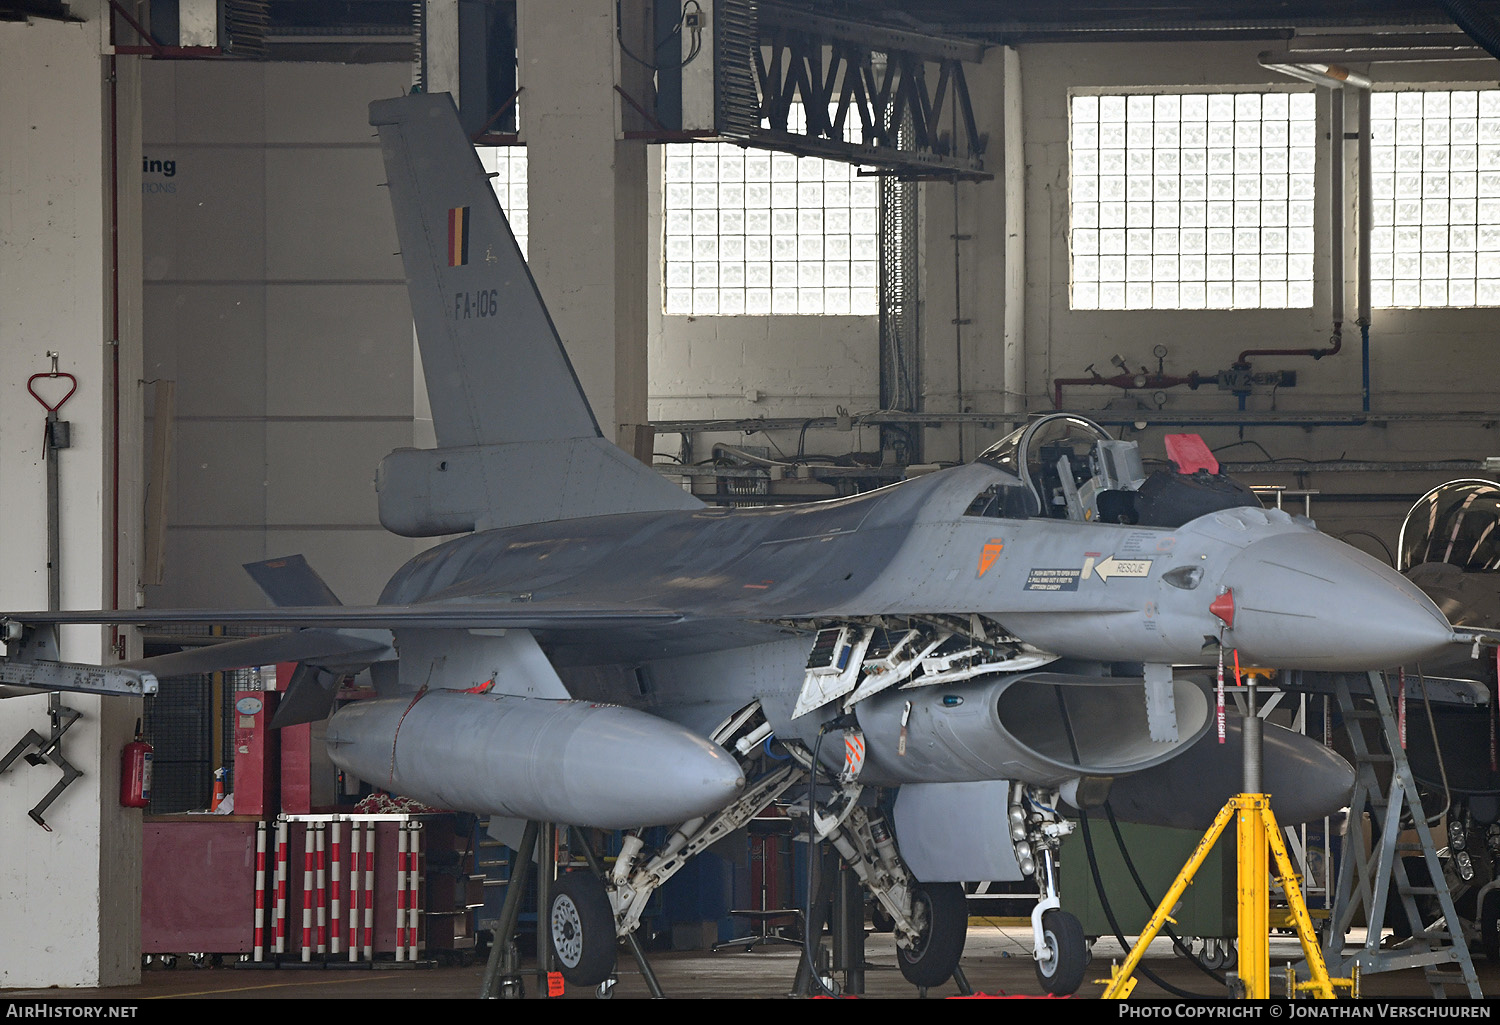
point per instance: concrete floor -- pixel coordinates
(996, 962)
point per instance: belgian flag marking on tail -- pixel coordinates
(458, 236)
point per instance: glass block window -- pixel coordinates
(1435, 158)
(754, 232)
(507, 164)
(1192, 201)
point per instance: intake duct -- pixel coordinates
(1014, 727)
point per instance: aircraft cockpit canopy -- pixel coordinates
(1072, 468)
(1457, 523)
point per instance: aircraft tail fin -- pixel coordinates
(506, 403)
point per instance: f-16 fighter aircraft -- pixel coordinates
(601, 649)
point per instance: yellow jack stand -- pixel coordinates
(1256, 831)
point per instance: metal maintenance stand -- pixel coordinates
(1366, 886)
(1256, 831)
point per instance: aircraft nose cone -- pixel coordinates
(1307, 601)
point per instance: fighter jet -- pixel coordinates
(599, 648)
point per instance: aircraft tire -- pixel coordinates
(581, 929)
(934, 957)
(1489, 925)
(1063, 934)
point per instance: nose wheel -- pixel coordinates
(581, 929)
(1062, 972)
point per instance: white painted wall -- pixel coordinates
(276, 301)
(69, 898)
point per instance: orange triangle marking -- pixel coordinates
(989, 553)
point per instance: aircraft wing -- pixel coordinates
(329, 639)
(519, 615)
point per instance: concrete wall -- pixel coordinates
(69, 898)
(275, 299)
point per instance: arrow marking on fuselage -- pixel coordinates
(1112, 567)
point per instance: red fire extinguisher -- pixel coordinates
(135, 772)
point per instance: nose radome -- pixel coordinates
(1304, 600)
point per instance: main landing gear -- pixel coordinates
(587, 917)
(942, 913)
(581, 929)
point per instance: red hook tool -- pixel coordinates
(52, 407)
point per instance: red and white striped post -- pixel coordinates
(335, 885)
(354, 833)
(281, 884)
(260, 892)
(413, 888)
(308, 856)
(401, 855)
(321, 832)
(369, 891)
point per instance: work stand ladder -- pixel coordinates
(1368, 881)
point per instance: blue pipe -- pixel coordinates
(1364, 342)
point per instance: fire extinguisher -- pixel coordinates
(135, 772)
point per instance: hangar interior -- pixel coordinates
(1128, 211)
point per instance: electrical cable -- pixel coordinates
(1390, 558)
(808, 932)
(1177, 942)
(1235, 444)
(1437, 748)
(1088, 843)
(691, 5)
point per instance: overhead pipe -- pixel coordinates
(1332, 76)
(1335, 76)
(1366, 223)
(1130, 382)
(117, 642)
(1336, 233)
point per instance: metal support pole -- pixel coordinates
(849, 936)
(546, 873)
(54, 515)
(1253, 917)
(634, 944)
(501, 968)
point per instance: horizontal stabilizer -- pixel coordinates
(291, 581)
(324, 647)
(428, 493)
